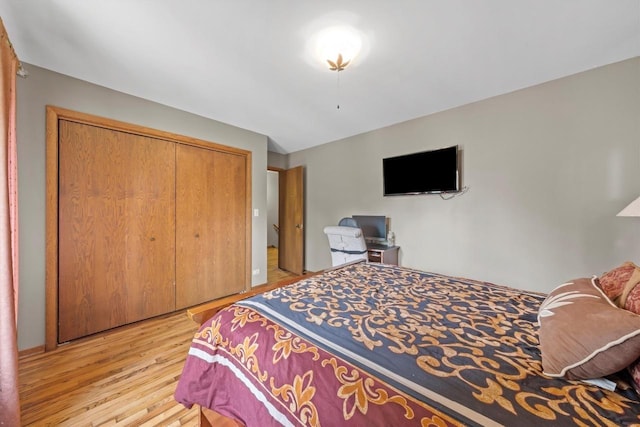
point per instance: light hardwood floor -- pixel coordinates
(125, 377)
(122, 378)
(274, 274)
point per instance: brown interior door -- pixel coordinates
(211, 228)
(291, 219)
(116, 221)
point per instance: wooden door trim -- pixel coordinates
(51, 232)
(53, 116)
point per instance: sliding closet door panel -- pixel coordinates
(210, 225)
(230, 210)
(116, 229)
(150, 229)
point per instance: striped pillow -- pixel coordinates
(583, 335)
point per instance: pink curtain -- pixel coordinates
(9, 397)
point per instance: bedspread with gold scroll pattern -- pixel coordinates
(375, 345)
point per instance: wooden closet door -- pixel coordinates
(210, 225)
(116, 229)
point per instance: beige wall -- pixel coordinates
(45, 87)
(276, 160)
(547, 167)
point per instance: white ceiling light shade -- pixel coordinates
(337, 45)
(326, 40)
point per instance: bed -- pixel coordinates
(378, 345)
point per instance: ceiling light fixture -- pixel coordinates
(337, 41)
(339, 65)
(338, 46)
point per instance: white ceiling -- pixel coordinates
(247, 63)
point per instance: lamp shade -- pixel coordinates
(632, 209)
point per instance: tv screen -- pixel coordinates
(434, 171)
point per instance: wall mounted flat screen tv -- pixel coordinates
(427, 172)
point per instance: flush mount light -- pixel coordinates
(338, 46)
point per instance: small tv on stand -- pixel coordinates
(374, 227)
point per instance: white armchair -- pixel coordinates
(347, 244)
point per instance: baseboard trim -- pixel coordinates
(31, 351)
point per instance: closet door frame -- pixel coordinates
(53, 116)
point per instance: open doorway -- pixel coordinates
(285, 219)
(273, 272)
(272, 209)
